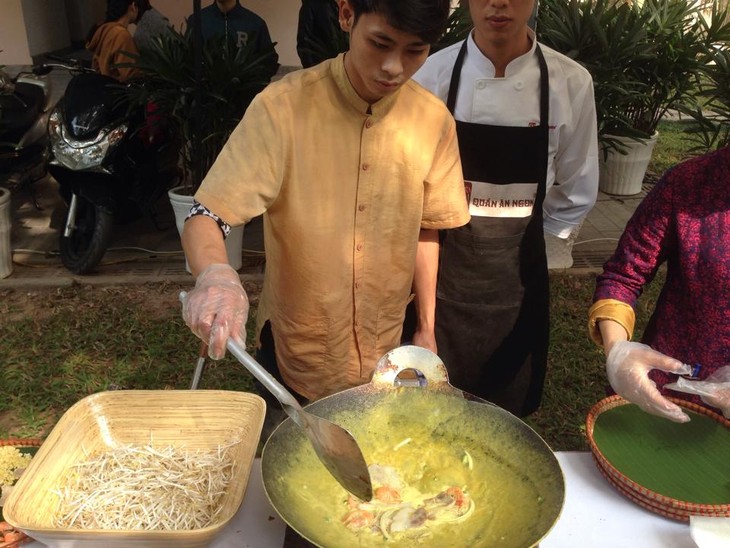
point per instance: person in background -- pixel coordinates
(526, 120)
(355, 168)
(684, 222)
(111, 43)
(242, 26)
(319, 36)
(151, 24)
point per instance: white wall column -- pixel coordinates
(14, 41)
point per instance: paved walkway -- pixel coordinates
(149, 249)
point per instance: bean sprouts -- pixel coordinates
(401, 444)
(145, 488)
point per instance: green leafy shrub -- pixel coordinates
(645, 57)
(201, 110)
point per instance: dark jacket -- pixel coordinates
(319, 35)
(241, 25)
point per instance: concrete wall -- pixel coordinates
(13, 39)
(46, 25)
(82, 15)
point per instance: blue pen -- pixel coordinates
(694, 372)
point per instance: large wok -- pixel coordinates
(434, 435)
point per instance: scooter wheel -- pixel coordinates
(84, 248)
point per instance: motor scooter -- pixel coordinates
(111, 163)
(25, 104)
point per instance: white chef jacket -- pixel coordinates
(515, 101)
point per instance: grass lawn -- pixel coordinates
(60, 345)
(671, 148)
(576, 366)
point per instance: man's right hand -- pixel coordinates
(217, 308)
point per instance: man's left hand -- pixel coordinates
(425, 339)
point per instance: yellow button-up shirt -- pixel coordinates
(345, 187)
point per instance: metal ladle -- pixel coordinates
(334, 445)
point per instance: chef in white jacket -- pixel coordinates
(526, 124)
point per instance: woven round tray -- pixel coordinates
(21, 444)
(652, 445)
(647, 504)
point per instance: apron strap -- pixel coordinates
(455, 77)
(544, 122)
(544, 105)
(544, 83)
(544, 87)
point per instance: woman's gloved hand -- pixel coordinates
(628, 365)
(217, 308)
(714, 390)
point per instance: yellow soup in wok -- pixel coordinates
(434, 442)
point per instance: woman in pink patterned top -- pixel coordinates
(685, 222)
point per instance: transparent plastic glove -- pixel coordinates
(217, 308)
(714, 390)
(628, 365)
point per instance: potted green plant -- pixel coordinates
(645, 59)
(712, 116)
(199, 110)
(457, 28)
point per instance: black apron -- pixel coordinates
(492, 297)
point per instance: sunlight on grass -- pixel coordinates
(76, 341)
(576, 377)
(93, 338)
(672, 146)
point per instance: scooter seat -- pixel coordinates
(19, 111)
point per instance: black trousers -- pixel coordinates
(266, 356)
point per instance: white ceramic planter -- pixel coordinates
(181, 204)
(6, 250)
(623, 174)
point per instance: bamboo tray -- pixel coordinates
(676, 470)
(193, 419)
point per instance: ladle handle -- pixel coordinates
(289, 402)
(258, 371)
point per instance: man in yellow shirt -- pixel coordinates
(355, 168)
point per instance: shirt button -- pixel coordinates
(361, 207)
(359, 248)
(481, 84)
(357, 286)
(519, 85)
(368, 123)
(365, 167)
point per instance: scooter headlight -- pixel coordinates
(85, 155)
(116, 135)
(54, 124)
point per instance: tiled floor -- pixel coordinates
(603, 227)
